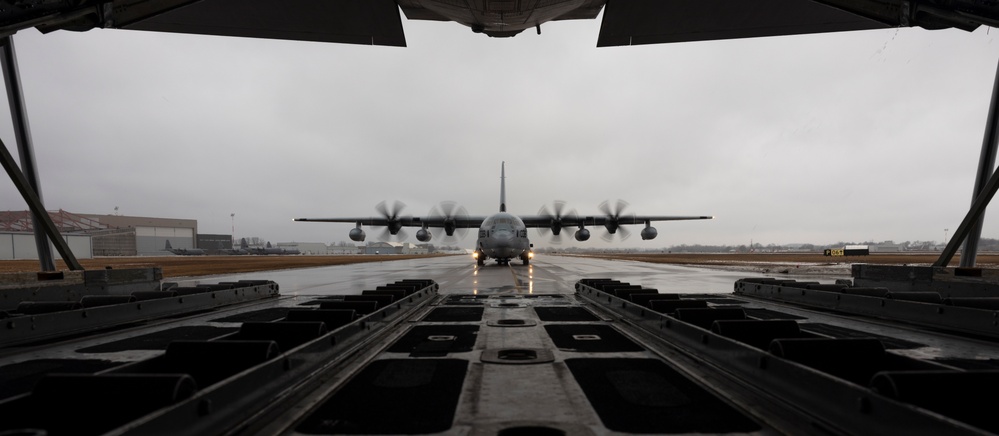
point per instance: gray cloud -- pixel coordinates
(817, 138)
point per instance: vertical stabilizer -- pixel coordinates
(503, 186)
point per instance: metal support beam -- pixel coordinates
(986, 165)
(974, 215)
(37, 209)
(27, 182)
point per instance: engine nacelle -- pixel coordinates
(356, 234)
(649, 233)
(582, 235)
(423, 235)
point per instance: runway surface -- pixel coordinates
(459, 274)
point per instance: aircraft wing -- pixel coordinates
(633, 22)
(368, 22)
(405, 221)
(599, 220)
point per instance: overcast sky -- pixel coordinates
(854, 136)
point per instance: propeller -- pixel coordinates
(613, 215)
(556, 214)
(450, 213)
(391, 214)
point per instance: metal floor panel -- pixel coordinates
(503, 350)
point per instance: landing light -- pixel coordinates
(530, 255)
(475, 255)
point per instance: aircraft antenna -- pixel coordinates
(503, 186)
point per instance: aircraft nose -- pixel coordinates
(503, 235)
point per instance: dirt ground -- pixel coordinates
(186, 266)
(798, 263)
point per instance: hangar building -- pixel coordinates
(110, 235)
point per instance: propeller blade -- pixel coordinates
(613, 214)
(450, 211)
(557, 212)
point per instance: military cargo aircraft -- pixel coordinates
(184, 251)
(503, 236)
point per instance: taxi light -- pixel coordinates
(530, 255)
(475, 255)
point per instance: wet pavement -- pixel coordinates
(459, 274)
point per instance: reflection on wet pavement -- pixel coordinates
(460, 274)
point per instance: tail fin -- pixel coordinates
(168, 247)
(503, 186)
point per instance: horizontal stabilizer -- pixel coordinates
(635, 22)
(368, 22)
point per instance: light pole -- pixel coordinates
(232, 216)
(945, 235)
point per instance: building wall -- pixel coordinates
(306, 247)
(213, 243)
(341, 250)
(15, 246)
(152, 233)
(151, 241)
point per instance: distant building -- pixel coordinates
(213, 244)
(113, 235)
(345, 250)
(408, 248)
(383, 248)
(886, 247)
(315, 248)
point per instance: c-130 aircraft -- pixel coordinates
(502, 235)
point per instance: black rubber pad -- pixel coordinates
(770, 314)
(262, 315)
(18, 378)
(455, 314)
(436, 340)
(159, 340)
(405, 396)
(564, 314)
(647, 396)
(593, 338)
(838, 332)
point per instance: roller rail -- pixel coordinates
(845, 374)
(207, 386)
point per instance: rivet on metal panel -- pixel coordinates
(802, 292)
(204, 407)
(180, 300)
(213, 295)
(138, 306)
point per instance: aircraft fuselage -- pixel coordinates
(503, 237)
